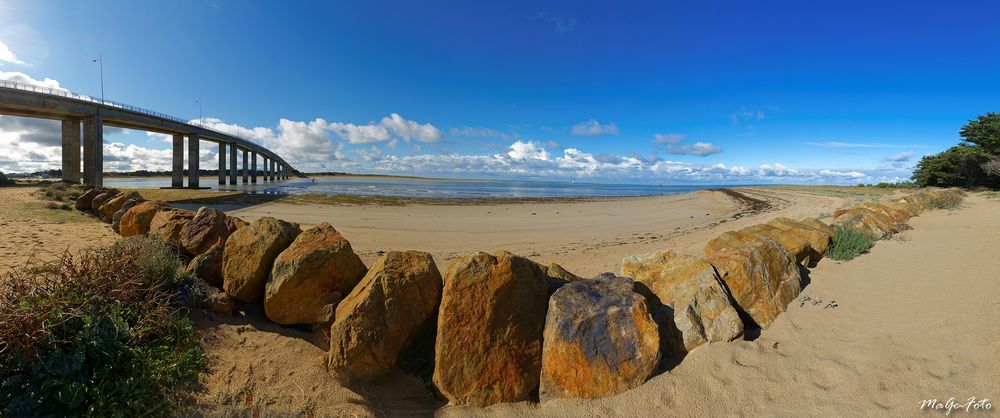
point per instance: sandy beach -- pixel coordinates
(917, 318)
(587, 237)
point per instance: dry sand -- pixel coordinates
(917, 318)
(31, 231)
(587, 237)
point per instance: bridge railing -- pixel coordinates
(17, 85)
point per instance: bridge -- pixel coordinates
(84, 117)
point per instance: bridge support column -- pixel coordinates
(222, 163)
(193, 160)
(267, 170)
(71, 151)
(93, 151)
(253, 167)
(274, 169)
(232, 163)
(177, 170)
(246, 165)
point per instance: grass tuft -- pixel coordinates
(948, 199)
(849, 243)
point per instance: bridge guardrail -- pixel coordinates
(17, 85)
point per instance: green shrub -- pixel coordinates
(99, 334)
(849, 243)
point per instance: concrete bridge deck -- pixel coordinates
(74, 110)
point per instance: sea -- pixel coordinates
(428, 189)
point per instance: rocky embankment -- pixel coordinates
(505, 328)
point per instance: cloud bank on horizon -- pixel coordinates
(318, 145)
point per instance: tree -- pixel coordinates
(984, 131)
(958, 166)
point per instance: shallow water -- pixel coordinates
(431, 189)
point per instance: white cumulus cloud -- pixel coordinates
(6, 55)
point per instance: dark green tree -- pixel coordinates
(984, 131)
(958, 166)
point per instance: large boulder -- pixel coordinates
(87, 198)
(874, 223)
(249, 255)
(116, 220)
(233, 224)
(315, 272)
(101, 199)
(599, 340)
(558, 276)
(206, 229)
(815, 233)
(699, 306)
(106, 212)
(383, 314)
(136, 220)
(489, 335)
(762, 278)
(208, 265)
(169, 222)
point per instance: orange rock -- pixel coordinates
(876, 223)
(383, 314)
(489, 335)
(815, 233)
(309, 277)
(699, 305)
(101, 199)
(599, 340)
(169, 222)
(206, 229)
(116, 220)
(249, 255)
(107, 210)
(233, 223)
(762, 278)
(796, 245)
(84, 201)
(136, 221)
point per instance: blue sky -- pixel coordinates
(670, 91)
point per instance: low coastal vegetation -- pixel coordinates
(96, 334)
(849, 243)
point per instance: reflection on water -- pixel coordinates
(427, 189)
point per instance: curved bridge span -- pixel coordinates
(84, 117)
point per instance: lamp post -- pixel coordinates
(199, 112)
(100, 59)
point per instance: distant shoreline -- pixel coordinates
(396, 177)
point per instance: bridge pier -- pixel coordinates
(253, 167)
(71, 151)
(274, 168)
(93, 150)
(232, 164)
(245, 166)
(193, 161)
(267, 170)
(177, 170)
(222, 163)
